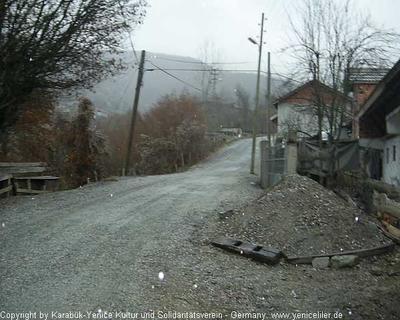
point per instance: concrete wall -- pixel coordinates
(391, 161)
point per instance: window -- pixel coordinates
(394, 153)
(387, 155)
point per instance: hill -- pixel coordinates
(116, 94)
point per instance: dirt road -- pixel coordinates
(142, 245)
(104, 245)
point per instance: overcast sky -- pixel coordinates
(186, 27)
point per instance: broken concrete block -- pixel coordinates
(320, 263)
(261, 253)
(346, 261)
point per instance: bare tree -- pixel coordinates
(209, 56)
(243, 100)
(295, 122)
(52, 45)
(330, 37)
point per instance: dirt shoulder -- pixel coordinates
(301, 217)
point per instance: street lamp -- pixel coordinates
(252, 40)
(255, 113)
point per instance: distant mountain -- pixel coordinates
(116, 94)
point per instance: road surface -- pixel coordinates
(119, 246)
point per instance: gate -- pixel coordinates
(273, 164)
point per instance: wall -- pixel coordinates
(297, 112)
(391, 166)
(361, 92)
(298, 118)
(393, 122)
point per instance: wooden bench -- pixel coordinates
(26, 177)
(5, 184)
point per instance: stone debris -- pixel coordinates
(321, 263)
(301, 217)
(347, 261)
(226, 214)
(376, 271)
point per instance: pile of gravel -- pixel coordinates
(301, 217)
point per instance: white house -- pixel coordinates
(298, 110)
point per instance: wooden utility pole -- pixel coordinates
(214, 79)
(269, 100)
(125, 170)
(320, 120)
(255, 115)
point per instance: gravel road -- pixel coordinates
(104, 245)
(143, 245)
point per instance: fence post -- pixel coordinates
(263, 166)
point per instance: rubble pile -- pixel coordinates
(301, 217)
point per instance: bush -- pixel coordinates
(174, 135)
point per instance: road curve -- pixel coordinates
(103, 246)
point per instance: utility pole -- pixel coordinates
(214, 79)
(269, 100)
(320, 118)
(125, 170)
(255, 114)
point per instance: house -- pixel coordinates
(378, 122)
(236, 132)
(362, 83)
(297, 110)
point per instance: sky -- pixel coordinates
(222, 27)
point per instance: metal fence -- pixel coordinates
(273, 164)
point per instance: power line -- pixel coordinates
(239, 62)
(200, 62)
(183, 81)
(230, 70)
(128, 84)
(181, 61)
(210, 70)
(285, 77)
(210, 95)
(283, 64)
(134, 51)
(177, 69)
(175, 77)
